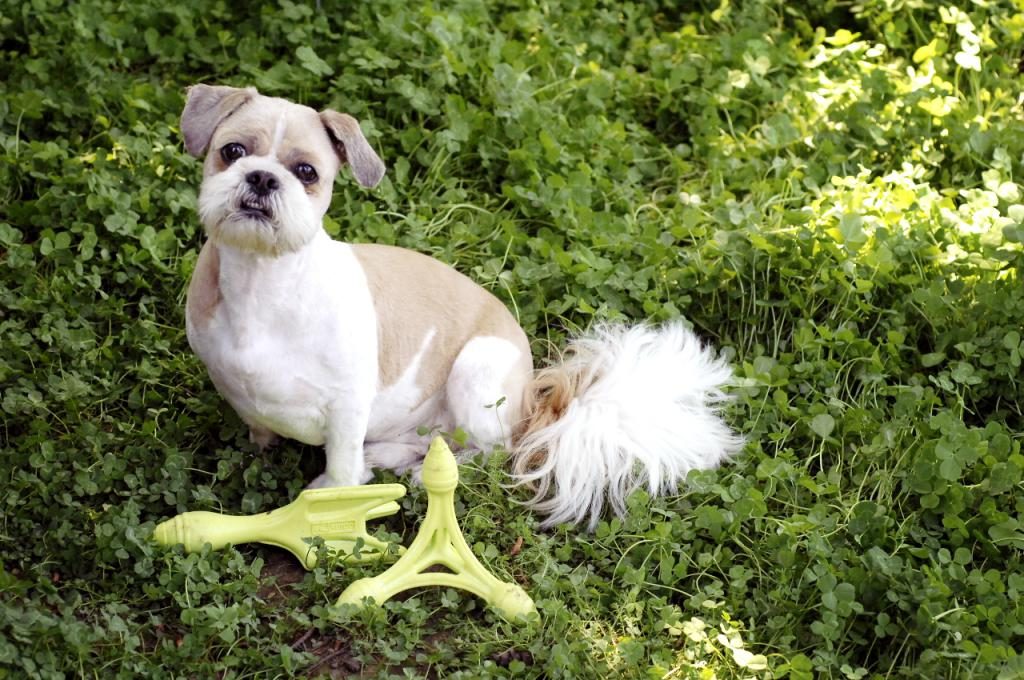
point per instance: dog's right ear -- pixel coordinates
(206, 107)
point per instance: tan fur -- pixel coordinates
(352, 147)
(204, 290)
(547, 397)
(412, 294)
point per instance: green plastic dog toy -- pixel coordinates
(337, 515)
(440, 542)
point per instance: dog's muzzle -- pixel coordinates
(262, 183)
(255, 208)
(256, 202)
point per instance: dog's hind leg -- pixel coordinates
(485, 390)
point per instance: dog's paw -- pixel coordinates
(325, 481)
(262, 437)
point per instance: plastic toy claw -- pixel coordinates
(440, 542)
(338, 515)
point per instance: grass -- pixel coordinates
(829, 192)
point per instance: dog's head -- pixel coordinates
(270, 165)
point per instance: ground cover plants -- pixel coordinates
(828, 191)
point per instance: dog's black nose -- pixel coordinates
(262, 182)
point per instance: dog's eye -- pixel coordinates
(232, 152)
(305, 172)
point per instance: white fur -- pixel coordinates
(646, 417)
(294, 221)
(477, 384)
(279, 129)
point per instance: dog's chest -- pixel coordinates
(283, 347)
(275, 382)
(268, 361)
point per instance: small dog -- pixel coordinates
(355, 347)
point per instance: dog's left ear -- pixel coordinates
(352, 147)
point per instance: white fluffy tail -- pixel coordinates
(629, 407)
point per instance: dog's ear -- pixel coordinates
(352, 147)
(206, 108)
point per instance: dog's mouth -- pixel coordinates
(254, 210)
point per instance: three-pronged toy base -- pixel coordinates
(440, 543)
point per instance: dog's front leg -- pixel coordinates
(346, 464)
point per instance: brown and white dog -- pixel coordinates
(356, 346)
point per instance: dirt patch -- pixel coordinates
(334, 655)
(280, 571)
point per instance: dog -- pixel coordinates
(356, 346)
